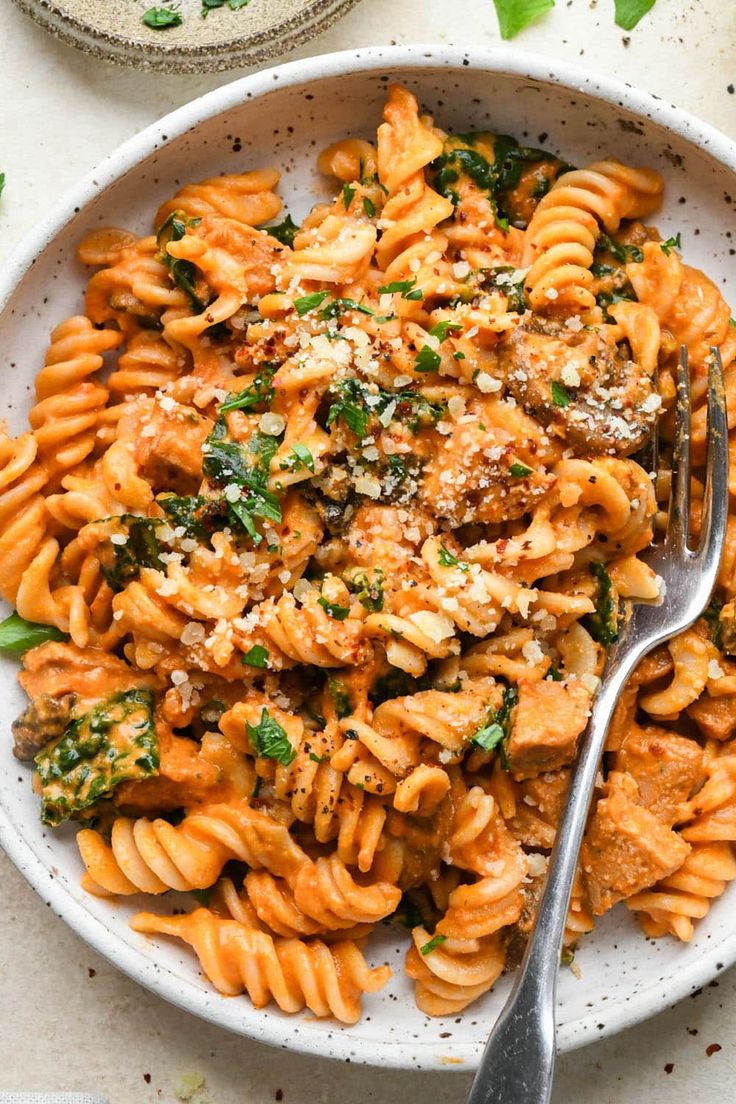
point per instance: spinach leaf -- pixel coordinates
(18, 636)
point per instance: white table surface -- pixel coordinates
(68, 1019)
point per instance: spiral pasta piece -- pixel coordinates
(294, 974)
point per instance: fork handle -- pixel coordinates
(518, 1062)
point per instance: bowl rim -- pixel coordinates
(660, 993)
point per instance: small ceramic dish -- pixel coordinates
(283, 117)
(222, 39)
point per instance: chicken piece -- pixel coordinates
(546, 724)
(43, 720)
(170, 454)
(667, 768)
(56, 669)
(580, 384)
(715, 717)
(626, 848)
(727, 622)
(184, 778)
(537, 812)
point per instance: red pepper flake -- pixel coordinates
(713, 1049)
(669, 1067)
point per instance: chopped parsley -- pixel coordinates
(300, 458)
(368, 591)
(427, 360)
(519, 471)
(447, 559)
(159, 18)
(183, 273)
(18, 636)
(622, 253)
(671, 243)
(333, 610)
(257, 656)
(407, 289)
(432, 944)
(309, 303)
(443, 329)
(603, 624)
(339, 306)
(340, 697)
(712, 616)
(284, 232)
(269, 739)
(258, 393)
(348, 191)
(560, 395)
(369, 207)
(2, 182)
(495, 730)
(234, 5)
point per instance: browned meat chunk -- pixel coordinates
(599, 397)
(171, 457)
(626, 847)
(547, 722)
(667, 769)
(57, 669)
(715, 717)
(43, 720)
(727, 621)
(537, 813)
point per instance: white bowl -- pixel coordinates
(284, 117)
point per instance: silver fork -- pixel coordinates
(517, 1066)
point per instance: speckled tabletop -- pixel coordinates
(69, 1020)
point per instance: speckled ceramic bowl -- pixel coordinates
(114, 30)
(283, 117)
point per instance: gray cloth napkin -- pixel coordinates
(51, 1098)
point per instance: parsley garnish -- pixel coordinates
(183, 273)
(369, 207)
(712, 615)
(299, 457)
(17, 636)
(442, 329)
(337, 306)
(308, 303)
(519, 471)
(434, 942)
(603, 624)
(158, 18)
(427, 360)
(234, 5)
(493, 733)
(671, 243)
(340, 698)
(407, 288)
(560, 395)
(257, 392)
(284, 232)
(350, 407)
(369, 592)
(2, 182)
(336, 612)
(348, 191)
(269, 739)
(447, 559)
(256, 657)
(622, 253)
(554, 675)
(629, 12)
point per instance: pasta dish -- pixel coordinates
(316, 543)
